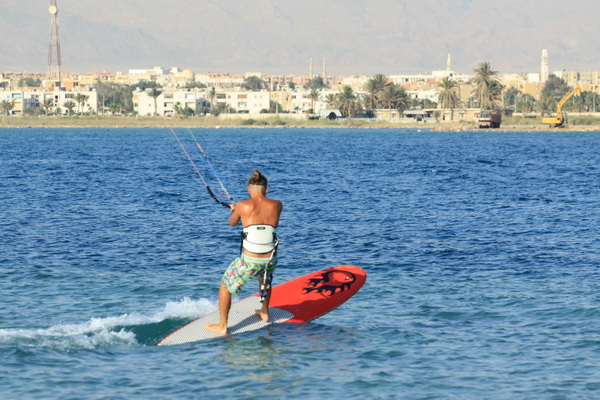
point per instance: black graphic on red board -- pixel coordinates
(331, 281)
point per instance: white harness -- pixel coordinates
(259, 239)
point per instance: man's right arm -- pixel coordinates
(235, 217)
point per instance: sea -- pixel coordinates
(482, 251)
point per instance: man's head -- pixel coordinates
(257, 183)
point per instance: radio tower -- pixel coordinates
(54, 61)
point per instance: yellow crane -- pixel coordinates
(560, 119)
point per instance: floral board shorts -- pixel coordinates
(244, 268)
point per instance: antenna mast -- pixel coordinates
(54, 60)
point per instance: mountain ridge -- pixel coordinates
(279, 37)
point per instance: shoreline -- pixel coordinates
(120, 122)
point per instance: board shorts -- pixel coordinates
(243, 269)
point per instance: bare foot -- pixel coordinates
(263, 316)
(216, 328)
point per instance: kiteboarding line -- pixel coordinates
(210, 166)
(208, 189)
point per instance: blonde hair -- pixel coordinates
(257, 179)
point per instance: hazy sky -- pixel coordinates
(356, 37)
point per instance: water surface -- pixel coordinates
(482, 254)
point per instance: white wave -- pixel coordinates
(101, 332)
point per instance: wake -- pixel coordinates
(122, 330)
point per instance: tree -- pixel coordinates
(6, 107)
(317, 83)
(154, 93)
(511, 95)
(449, 97)
(485, 80)
(314, 97)
(348, 103)
(592, 101)
(372, 88)
(429, 104)
(219, 108)
(253, 83)
(393, 97)
(30, 82)
(178, 109)
(81, 98)
(191, 84)
(119, 94)
(525, 104)
(211, 96)
(275, 107)
(332, 100)
(555, 87)
(47, 105)
(69, 105)
(188, 112)
(545, 104)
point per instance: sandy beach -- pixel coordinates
(273, 122)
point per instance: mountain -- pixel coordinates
(280, 36)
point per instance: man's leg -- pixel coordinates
(224, 306)
(264, 311)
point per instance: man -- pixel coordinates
(260, 218)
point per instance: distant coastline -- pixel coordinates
(279, 121)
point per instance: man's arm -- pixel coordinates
(235, 217)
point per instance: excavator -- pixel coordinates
(561, 119)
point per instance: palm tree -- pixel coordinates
(70, 105)
(393, 97)
(178, 109)
(332, 100)
(220, 108)
(314, 97)
(449, 97)
(525, 104)
(485, 80)
(372, 87)
(348, 102)
(154, 93)
(545, 104)
(47, 105)
(81, 98)
(6, 106)
(212, 95)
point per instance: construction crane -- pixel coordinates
(561, 119)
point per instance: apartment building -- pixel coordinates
(36, 101)
(166, 102)
(245, 101)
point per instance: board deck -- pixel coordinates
(300, 300)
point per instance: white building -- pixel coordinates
(246, 101)
(431, 95)
(144, 104)
(219, 81)
(34, 100)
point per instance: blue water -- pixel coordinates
(482, 253)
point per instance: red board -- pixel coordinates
(310, 296)
(299, 300)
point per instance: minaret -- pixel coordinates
(54, 60)
(544, 67)
(310, 69)
(449, 63)
(324, 68)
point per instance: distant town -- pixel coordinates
(442, 95)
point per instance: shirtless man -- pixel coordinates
(260, 218)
